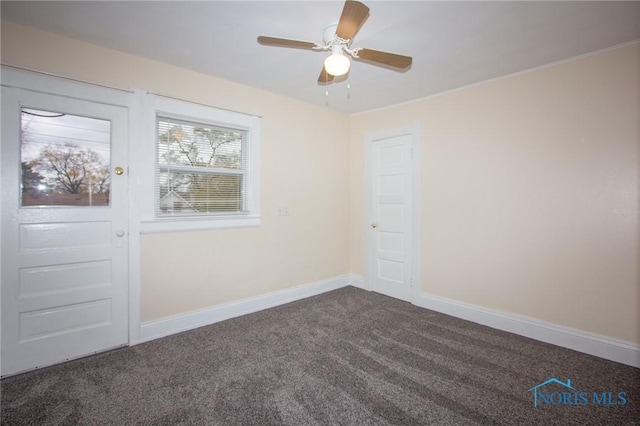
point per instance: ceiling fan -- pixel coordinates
(337, 38)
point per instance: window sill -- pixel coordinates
(184, 224)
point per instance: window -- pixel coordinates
(200, 167)
(65, 159)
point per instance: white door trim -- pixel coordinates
(54, 85)
(412, 130)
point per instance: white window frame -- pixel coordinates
(150, 106)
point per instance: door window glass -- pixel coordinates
(65, 159)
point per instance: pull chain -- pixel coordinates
(326, 92)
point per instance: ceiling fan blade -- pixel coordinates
(384, 58)
(353, 16)
(285, 42)
(324, 76)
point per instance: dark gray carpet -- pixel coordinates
(344, 357)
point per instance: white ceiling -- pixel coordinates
(453, 44)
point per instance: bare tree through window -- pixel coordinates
(200, 168)
(65, 159)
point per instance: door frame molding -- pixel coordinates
(412, 130)
(45, 83)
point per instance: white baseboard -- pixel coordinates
(357, 281)
(151, 330)
(592, 344)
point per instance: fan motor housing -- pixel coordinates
(329, 33)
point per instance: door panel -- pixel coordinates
(391, 216)
(64, 229)
(38, 237)
(61, 278)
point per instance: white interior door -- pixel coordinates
(64, 229)
(390, 212)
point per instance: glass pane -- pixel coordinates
(199, 145)
(65, 159)
(200, 168)
(192, 193)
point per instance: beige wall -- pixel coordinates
(301, 167)
(529, 193)
(529, 189)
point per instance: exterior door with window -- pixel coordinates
(64, 229)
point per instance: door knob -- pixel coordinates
(374, 225)
(118, 170)
(120, 233)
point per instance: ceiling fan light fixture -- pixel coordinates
(337, 64)
(338, 38)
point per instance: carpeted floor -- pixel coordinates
(344, 357)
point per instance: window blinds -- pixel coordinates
(201, 169)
